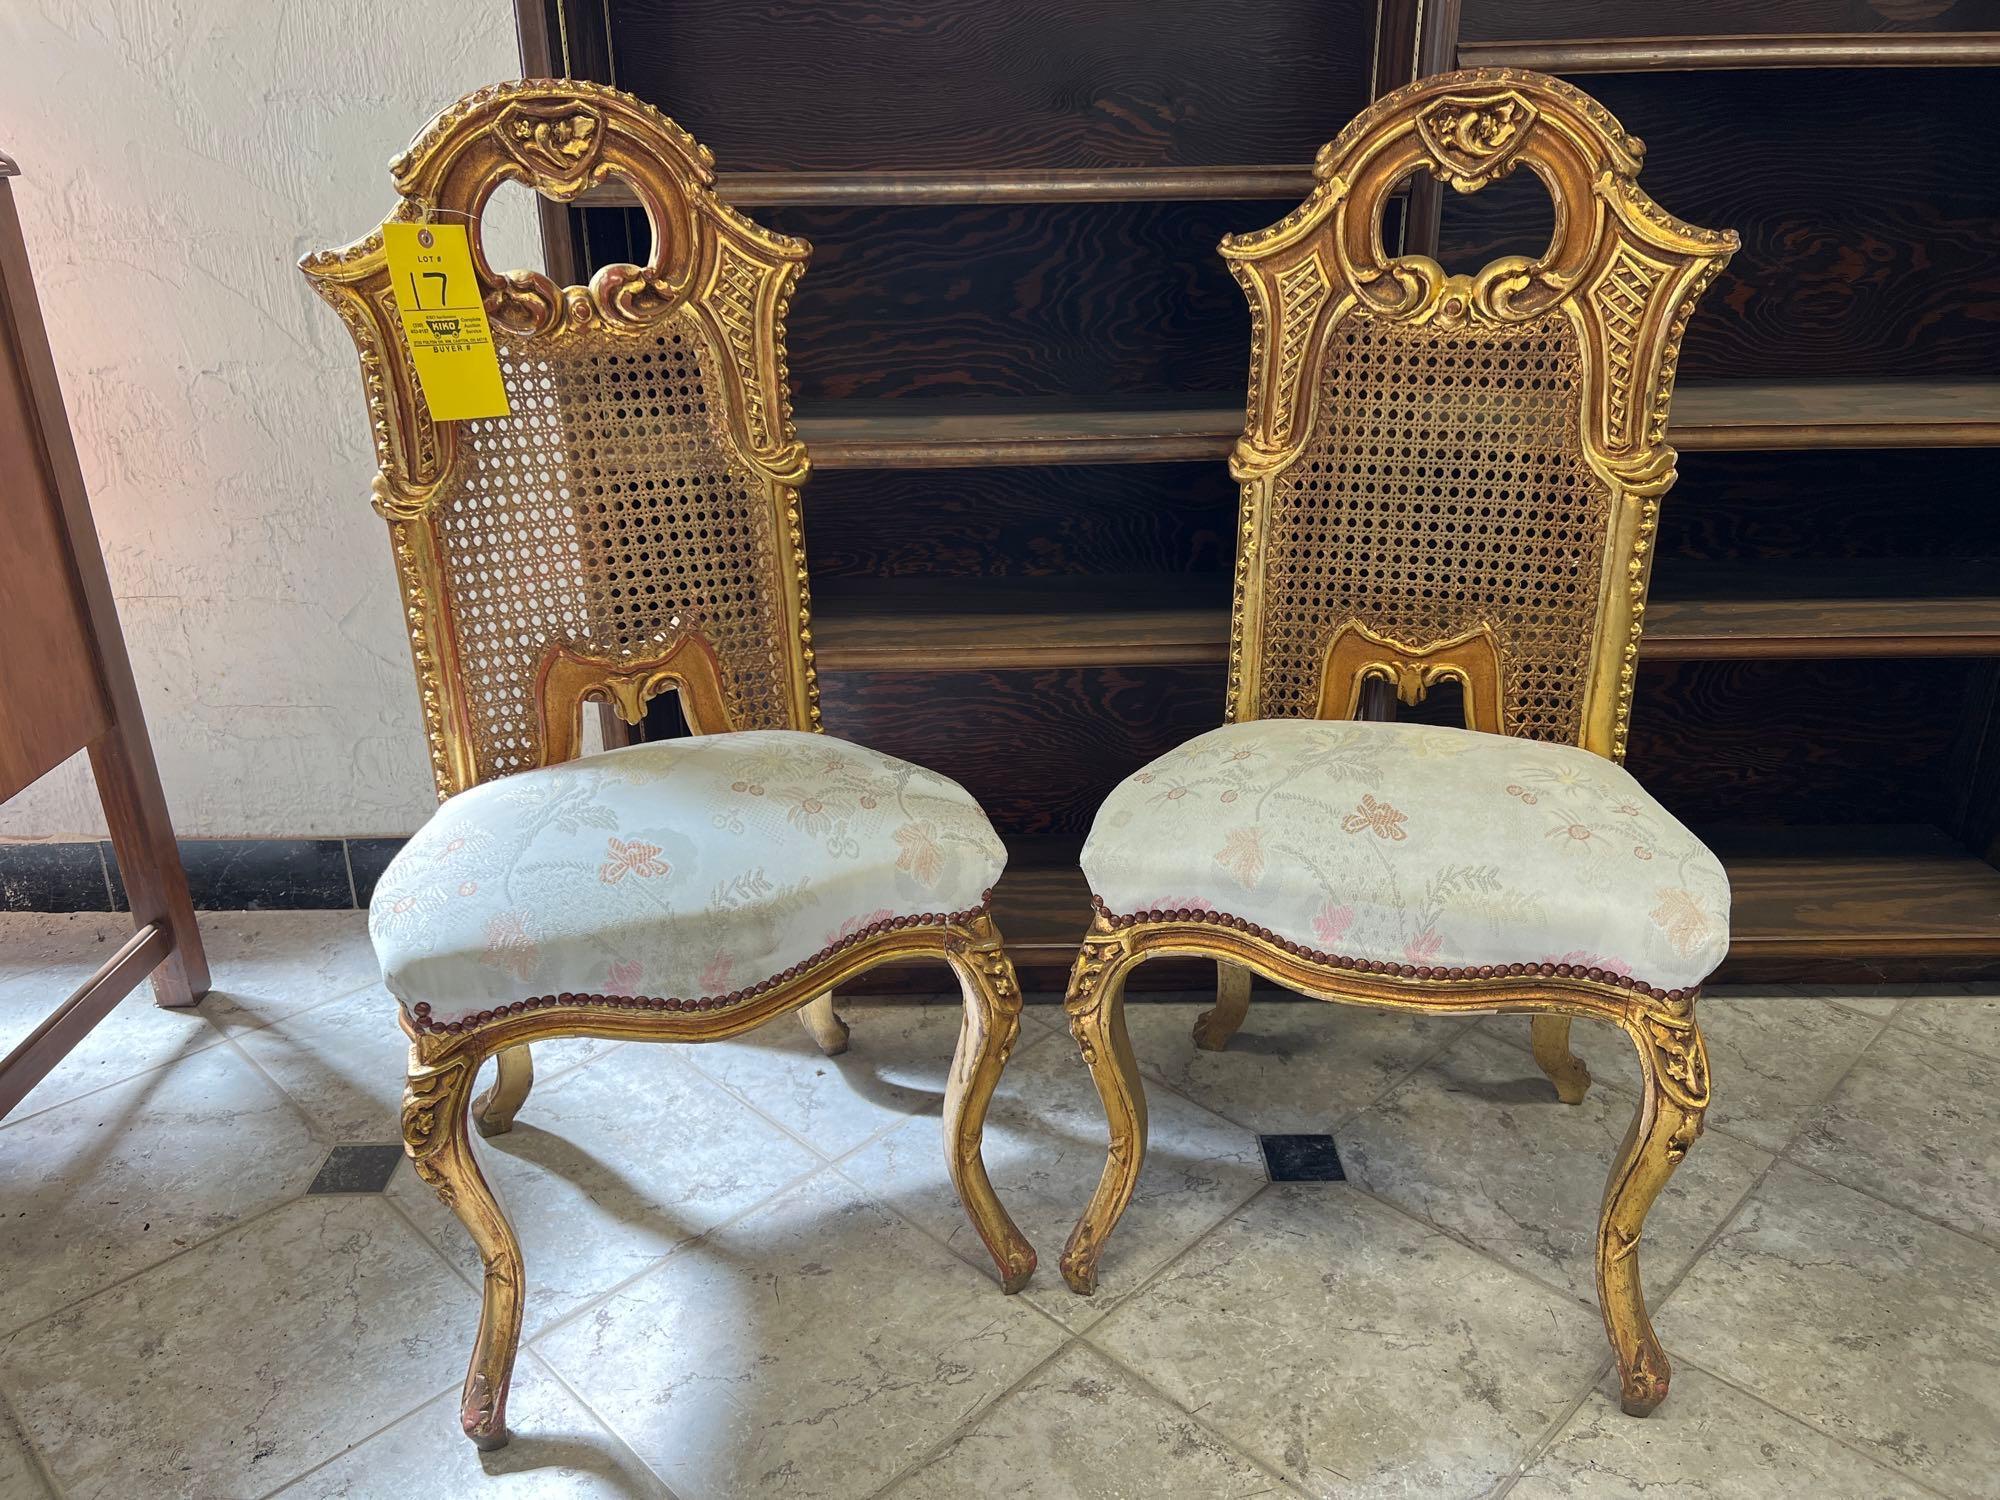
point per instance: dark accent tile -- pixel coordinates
(357, 1169)
(368, 858)
(53, 877)
(262, 875)
(1301, 1158)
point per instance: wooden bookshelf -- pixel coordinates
(1664, 54)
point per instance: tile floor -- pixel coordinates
(749, 1276)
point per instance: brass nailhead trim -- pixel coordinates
(1398, 971)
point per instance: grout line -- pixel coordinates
(972, 1419)
(1148, 1387)
(576, 1395)
(36, 1459)
(1539, 1449)
(347, 864)
(104, 867)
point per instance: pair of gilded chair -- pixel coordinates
(1445, 478)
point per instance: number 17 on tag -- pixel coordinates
(444, 323)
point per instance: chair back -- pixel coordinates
(1457, 477)
(633, 524)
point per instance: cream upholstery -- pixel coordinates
(684, 869)
(1412, 844)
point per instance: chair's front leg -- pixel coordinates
(1549, 1035)
(1213, 1028)
(823, 1024)
(985, 1041)
(1675, 1067)
(435, 1110)
(513, 1075)
(1096, 1006)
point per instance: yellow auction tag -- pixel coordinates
(430, 271)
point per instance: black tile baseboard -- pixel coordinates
(223, 874)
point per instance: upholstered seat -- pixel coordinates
(684, 870)
(1409, 844)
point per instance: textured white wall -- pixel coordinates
(177, 157)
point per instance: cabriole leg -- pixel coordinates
(1096, 1006)
(514, 1074)
(1675, 1065)
(1214, 1028)
(985, 1041)
(1550, 1037)
(826, 1028)
(440, 1146)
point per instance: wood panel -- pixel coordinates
(1061, 520)
(1035, 185)
(1934, 49)
(1511, 20)
(1039, 749)
(1766, 743)
(1041, 300)
(985, 84)
(1871, 228)
(1885, 503)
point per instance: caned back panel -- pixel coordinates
(607, 509)
(1443, 485)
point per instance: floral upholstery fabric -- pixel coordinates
(683, 869)
(1412, 844)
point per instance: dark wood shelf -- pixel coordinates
(1667, 54)
(1737, 415)
(1055, 185)
(1854, 903)
(1845, 609)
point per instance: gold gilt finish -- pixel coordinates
(1449, 477)
(632, 527)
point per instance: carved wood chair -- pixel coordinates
(1445, 478)
(631, 528)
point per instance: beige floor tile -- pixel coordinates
(1879, 1000)
(895, 1067)
(343, 1062)
(1708, 1441)
(268, 964)
(20, 1476)
(105, 1185)
(1772, 1058)
(1082, 1426)
(814, 1348)
(1355, 1351)
(227, 1371)
(611, 1166)
(1916, 1122)
(558, 1452)
(1297, 1065)
(1971, 1020)
(1044, 1147)
(136, 1036)
(1862, 1320)
(32, 940)
(1477, 1142)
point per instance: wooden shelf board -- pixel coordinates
(1779, 610)
(1050, 185)
(1663, 54)
(1903, 898)
(918, 434)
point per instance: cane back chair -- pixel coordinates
(1445, 478)
(632, 527)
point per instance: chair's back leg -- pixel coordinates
(1550, 1037)
(514, 1074)
(1214, 1028)
(824, 1025)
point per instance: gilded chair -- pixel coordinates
(631, 528)
(1445, 479)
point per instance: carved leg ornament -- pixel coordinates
(1675, 1064)
(1214, 1028)
(493, 1111)
(985, 1041)
(1096, 1006)
(1550, 1036)
(826, 1028)
(440, 1147)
